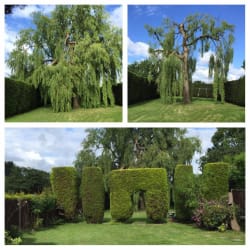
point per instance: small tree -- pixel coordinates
(179, 41)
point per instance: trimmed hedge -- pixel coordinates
(215, 180)
(92, 192)
(202, 90)
(183, 183)
(20, 97)
(152, 181)
(235, 92)
(139, 89)
(64, 186)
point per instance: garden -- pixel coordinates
(96, 205)
(67, 61)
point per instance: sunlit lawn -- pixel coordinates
(137, 232)
(46, 114)
(200, 110)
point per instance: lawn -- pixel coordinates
(46, 114)
(200, 110)
(137, 232)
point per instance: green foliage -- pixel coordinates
(83, 72)
(215, 180)
(185, 194)
(214, 215)
(20, 97)
(27, 180)
(123, 183)
(64, 186)
(235, 92)
(200, 89)
(197, 32)
(170, 83)
(136, 84)
(12, 237)
(92, 192)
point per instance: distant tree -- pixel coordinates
(8, 9)
(228, 146)
(83, 51)
(27, 180)
(137, 147)
(176, 44)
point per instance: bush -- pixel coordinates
(92, 192)
(20, 97)
(185, 199)
(152, 181)
(139, 89)
(213, 215)
(215, 180)
(64, 186)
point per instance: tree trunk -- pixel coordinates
(76, 103)
(186, 92)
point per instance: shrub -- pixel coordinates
(64, 186)
(20, 97)
(139, 89)
(213, 214)
(92, 191)
(185, 199)
(215, 180)
(152, 181)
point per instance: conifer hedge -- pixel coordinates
(20, 97)
(215, 180)
(92, 192)
(64, 186)
(152, 181)
(183, 179)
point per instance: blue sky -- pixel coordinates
(138, 38)
(22, 19)
(44, 148)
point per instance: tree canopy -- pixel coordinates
(114, 148)
(73, 56)
(27, 180)
(176, 44)
(228, 146)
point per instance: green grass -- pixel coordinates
(137, 232)
(46, 114)
(200, 110)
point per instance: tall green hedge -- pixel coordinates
(215, 180)
(64, 186)
(152, 181)
(183, 190)
(92, 192)
(20, 97)
(139, 89)
(235, 92)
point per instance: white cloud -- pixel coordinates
(116, 17)
(137, 48)
(42, 148)
(26, 12)
(201, 72)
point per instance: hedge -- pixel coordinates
(202, 90)
(117, 91)
(92, 192)
(153, 181)
(235, 92)
(64, 186)
(183, 183)
(215, 180)
(139, 89)
(20, 97)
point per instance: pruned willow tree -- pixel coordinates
(73, 56)
(176, 44)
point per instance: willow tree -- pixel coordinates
(72, 56)
(180, 41)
